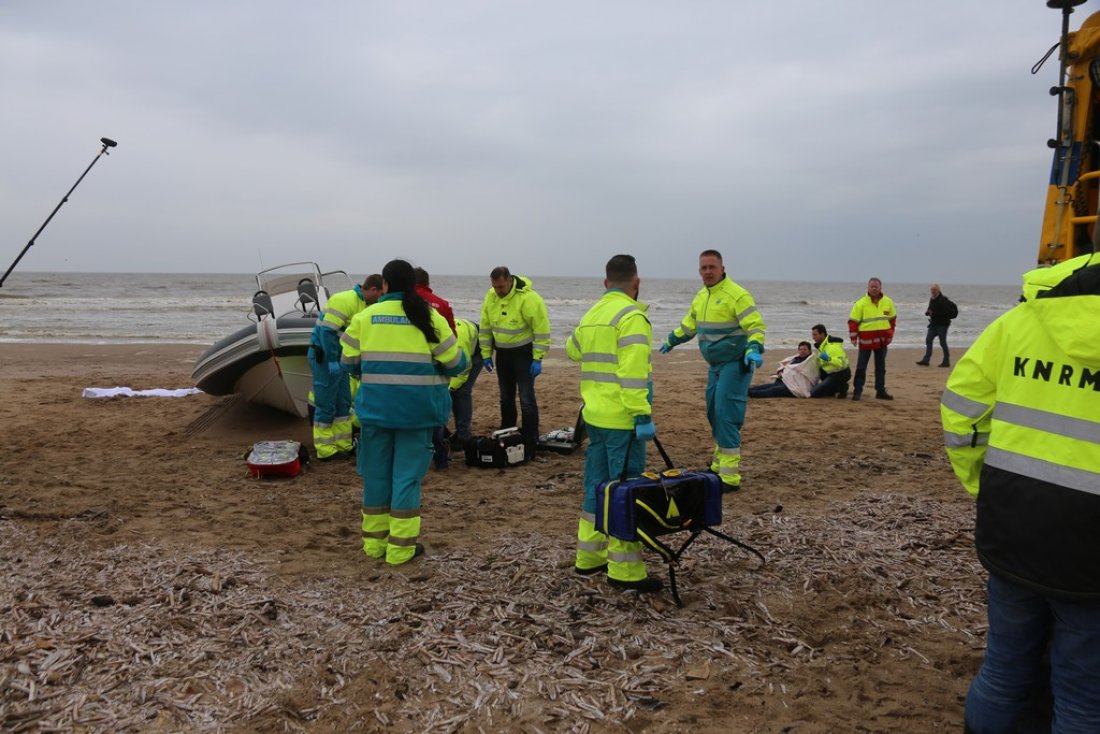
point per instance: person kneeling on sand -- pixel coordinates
(833, 362)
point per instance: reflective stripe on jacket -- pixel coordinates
(517, 319)
(466, 332)
(340, 309)
(872, 323)
(613, 342)
(838, 358)
(1021, 421)
(403, 376)
(725, 319)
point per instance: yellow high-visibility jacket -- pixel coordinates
(1042, 279)
(1021, 421)
(517, 319)
(726, 320)
(838, 358)
(466, 331)
(613, 342)
(338, 312)
(403, 377)
(871, 325)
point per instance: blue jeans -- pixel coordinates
(1021, 621)
(513, 367)
(934, 331)
(462, 402)
(441, 453)
(775, 389)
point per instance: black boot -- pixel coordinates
(648, 585)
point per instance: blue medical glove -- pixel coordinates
(644, 427)
(753, 358)
(536, 369)
(824, 356)
(649, 393)
(334, 368)
(488, 365)
(665, 348)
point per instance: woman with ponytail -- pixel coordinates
(403, 353)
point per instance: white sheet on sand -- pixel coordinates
(114, 392)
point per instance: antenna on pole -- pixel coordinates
(107, 143)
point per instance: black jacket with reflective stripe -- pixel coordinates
(1038, 533)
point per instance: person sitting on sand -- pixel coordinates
(796, 377)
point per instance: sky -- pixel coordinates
(805, 140)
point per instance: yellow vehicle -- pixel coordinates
(1069, 218)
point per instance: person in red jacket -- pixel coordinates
(424, 290)
(871, 326)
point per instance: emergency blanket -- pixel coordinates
(114, 392)
(799, 378)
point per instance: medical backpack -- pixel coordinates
(659, 503)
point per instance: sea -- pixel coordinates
(201, 308)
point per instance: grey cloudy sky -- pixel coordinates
(808, 140)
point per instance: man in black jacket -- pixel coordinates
(940, 311)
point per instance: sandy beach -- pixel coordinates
(151, 585)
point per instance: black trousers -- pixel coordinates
(513, 367)
(833, 383)
(861, 370)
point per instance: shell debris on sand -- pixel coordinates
(211, 640)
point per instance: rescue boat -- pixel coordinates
(1069, 217)
(266, 361)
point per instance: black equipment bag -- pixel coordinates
(565, 440)
(662, 503)
(502, 449)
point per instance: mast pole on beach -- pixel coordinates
(107, 143)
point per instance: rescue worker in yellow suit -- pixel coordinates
(331, 395)
(1021, 422)
(462, 386)
(515, 323)
(403, 352)
(613, 343)
(731, 339)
